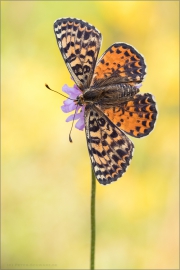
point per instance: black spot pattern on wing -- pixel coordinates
(79, 43)
(109, 148)
(120, 63)
(136, 117)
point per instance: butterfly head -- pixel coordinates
(80, 100)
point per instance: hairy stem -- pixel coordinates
(93, 221)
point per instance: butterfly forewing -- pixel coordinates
(109, 148)
(79, 43)
(120, 63)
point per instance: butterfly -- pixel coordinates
(110, 93)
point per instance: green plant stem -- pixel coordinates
(93, 221)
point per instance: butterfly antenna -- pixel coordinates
(57, 91)
(72, 126)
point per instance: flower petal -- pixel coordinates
(70, 118)
(80, 124)
(68, 101)
(68, 108)
(79, 91)
(66, 89)
(138, 85)
(73, 92)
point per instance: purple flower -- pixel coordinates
(69, 106)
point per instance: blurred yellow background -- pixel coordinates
(46, 181)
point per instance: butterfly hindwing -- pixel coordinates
(109, 148)
(79, 43)
(136, 117)
(120, 63)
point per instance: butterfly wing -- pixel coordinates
(136, 117)
(120, 63)
(79, 43)
(109, 148)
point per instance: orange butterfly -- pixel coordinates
(108, 94)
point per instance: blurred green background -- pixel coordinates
(46, 180)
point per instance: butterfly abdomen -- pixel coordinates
(110, 94)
